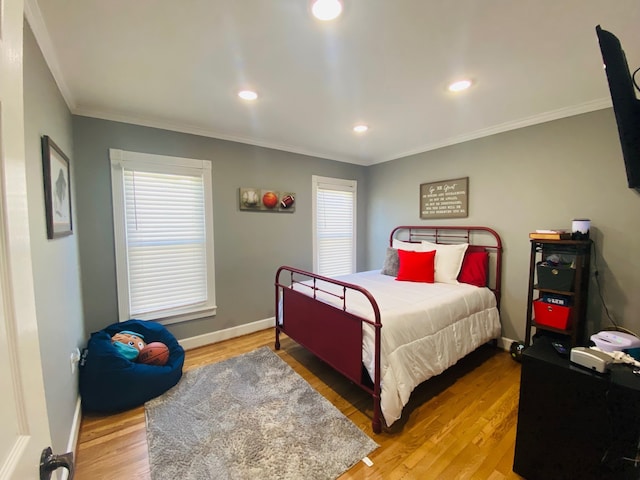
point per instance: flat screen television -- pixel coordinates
(626, 105)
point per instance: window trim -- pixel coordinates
(120, 160)
(335, 184)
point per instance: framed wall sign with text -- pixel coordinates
(445, 199)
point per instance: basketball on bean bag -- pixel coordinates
(154, 353)
(109, 382)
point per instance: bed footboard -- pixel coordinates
(330, 332)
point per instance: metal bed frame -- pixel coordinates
(333, 334)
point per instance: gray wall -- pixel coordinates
(249, 246)
(56, 270)
(536, 177)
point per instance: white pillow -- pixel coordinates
(448, 260)
(412, 247)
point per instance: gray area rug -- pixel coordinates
(249, 417)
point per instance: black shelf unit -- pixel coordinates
(574, 423)
(581, 250)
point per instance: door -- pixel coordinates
(24, 427)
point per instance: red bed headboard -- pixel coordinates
(480, 237)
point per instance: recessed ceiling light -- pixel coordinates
(247, 95)
(460, 85)
(326, 9)
(360, 128)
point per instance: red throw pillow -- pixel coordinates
(474, 268)
(416, 266)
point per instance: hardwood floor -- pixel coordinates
(459, 425)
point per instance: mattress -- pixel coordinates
(426, 328)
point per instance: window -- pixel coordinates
(334, 226)
(163, 227)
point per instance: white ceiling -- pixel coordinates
(178, 65)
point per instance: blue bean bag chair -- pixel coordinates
(110, 383)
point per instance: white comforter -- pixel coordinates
(426, 328)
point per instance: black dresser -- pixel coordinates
(574, 423)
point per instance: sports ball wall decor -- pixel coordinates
(266, 200)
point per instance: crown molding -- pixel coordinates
(587, 107)
(36, 21)
(598, 104)
(193, 130)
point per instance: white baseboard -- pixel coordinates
(505, 343)
(226, 334)
(74, 434)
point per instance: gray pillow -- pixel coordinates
(391, 263)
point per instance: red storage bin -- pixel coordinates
(552, 315)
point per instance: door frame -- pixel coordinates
(25, 429)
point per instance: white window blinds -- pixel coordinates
(334, 226)
(164, 255)
(166, 241)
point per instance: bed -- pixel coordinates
(435, 299)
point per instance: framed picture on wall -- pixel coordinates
(266, 200)
(57, 189)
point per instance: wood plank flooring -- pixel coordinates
(459, 425)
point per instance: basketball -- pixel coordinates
(270, 199)
(155, 353)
